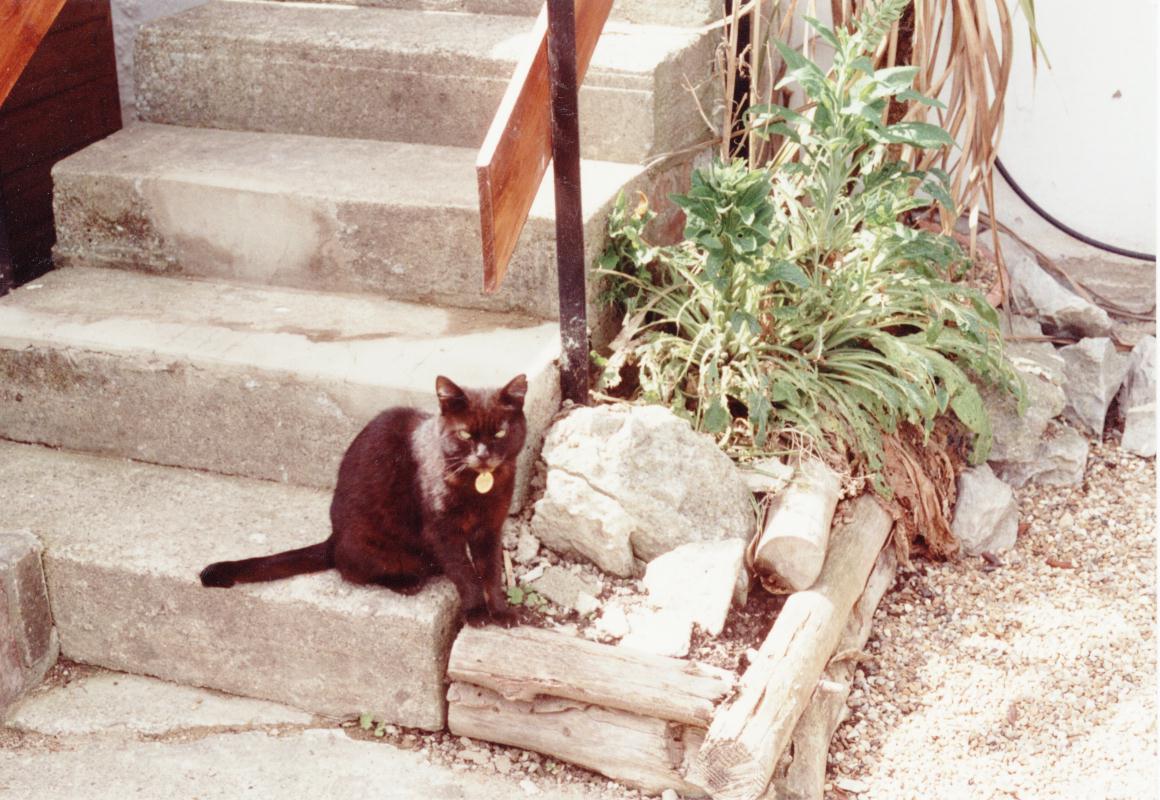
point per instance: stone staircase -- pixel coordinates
(287, 243)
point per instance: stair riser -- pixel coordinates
(422, 254)
(239, 85)
(330, 662)
(204, 416)
(689, 13)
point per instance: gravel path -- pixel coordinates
(1034, 679)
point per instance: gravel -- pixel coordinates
(1032, 679)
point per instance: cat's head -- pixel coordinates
(482, 428)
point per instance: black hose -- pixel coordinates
(1070, 231)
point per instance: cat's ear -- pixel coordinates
(451, 397)
(513, 394)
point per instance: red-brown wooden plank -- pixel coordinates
(23, 24)
(518, 146)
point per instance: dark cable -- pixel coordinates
(1063, 226)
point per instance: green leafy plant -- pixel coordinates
(799, 302)
(523, 596)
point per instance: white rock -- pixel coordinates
(625, 480)
(1060, 460)
(586, 603)
(1017, 438)
(659, 632)
(986, 515)
(1138, 400)
(697, 581)
(1034, 291)
(767, 476)
(613, 622)
(527, 546)
(1093, 371)
(565, 588)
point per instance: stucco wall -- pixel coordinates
(128, 15)
(1081, 139)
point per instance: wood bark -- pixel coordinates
(792, 544)
(523, 663)
(805, 777)
(645, 752)
(751, 729)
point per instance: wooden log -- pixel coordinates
(645, 752)
(805, 777)
(523, 663)
(752, 728)
(792, 544)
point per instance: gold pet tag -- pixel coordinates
(483, 482)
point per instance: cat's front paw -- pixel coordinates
(217, 575)
(505, 618)
(477, 617)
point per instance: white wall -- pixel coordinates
(128, 15)
(1081, 139)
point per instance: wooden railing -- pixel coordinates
(537, 121)
(23, 23)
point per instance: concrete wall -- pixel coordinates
(128, 15)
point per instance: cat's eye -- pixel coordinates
(500, 434)
(463, 435)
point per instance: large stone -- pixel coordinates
(310, 212)
(1035, 292)
(113, 702)
(28, 640)
(700, 580)
(259, 382)
(986, 515)
(1059, 460)
(406, 75)
(124, 543)
(1017, 438)
(1137, 400)
(636, 480)
(1128, 283)
(1093, 370)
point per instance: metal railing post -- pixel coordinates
(569, 216)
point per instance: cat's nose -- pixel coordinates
(481, 450)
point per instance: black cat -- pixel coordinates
(416, 493)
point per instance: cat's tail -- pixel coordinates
(314, 558)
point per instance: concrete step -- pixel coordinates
(311, 212)
(689, 13)
(249, 381)
(123, 543)
(404, 75)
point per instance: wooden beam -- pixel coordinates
(523, 663)
(751, 729)
(645, 752)
(518, 145)
(7, 268)
(23, 23)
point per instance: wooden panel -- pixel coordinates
(51, 128)
(22, 25)
(65, 99)
(518, 145)
(74, 56)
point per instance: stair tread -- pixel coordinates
(470, 42)
(124, 542)
(357, 339)
(360, 170)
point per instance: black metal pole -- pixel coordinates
(569, 216)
